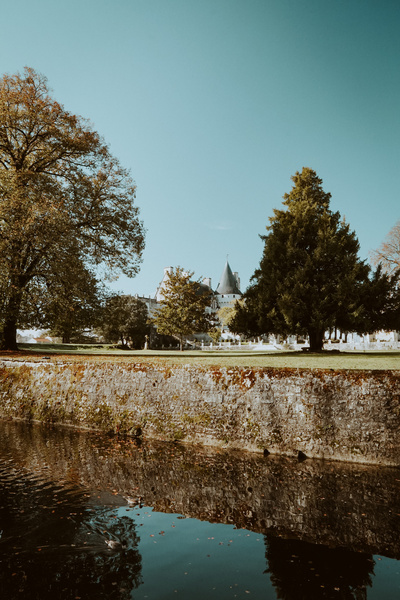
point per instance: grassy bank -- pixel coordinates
(384, 360)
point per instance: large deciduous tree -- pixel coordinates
(61, 191)
(182, 310)
(310, 277)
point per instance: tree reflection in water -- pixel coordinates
(54, 543)
(303, 571)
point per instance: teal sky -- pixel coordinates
(214, 104)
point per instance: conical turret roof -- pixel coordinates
(227, 283)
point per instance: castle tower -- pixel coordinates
(228, 289)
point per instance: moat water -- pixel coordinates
(84, 516)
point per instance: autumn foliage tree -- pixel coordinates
(60, 189)
(182, 310)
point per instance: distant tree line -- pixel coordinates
(125, 321)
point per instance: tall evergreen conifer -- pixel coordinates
(310, 277)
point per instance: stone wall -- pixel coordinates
(352, 416)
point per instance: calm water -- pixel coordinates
(189, 522)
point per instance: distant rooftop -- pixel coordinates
(228, 282)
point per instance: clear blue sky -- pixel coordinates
(214, 104)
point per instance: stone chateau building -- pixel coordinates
(227, 290)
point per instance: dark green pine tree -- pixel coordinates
(310, 276)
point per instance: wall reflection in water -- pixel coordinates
(61, 493)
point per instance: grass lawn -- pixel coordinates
(384, 360)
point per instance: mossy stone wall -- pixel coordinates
(351, 416)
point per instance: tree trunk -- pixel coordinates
(9, 341)
(316, 340)
(12, 313)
